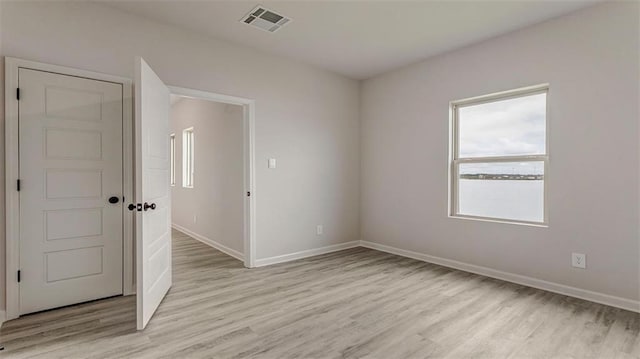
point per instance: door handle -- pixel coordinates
(147, 206)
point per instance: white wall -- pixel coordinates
(306, 117)
(218, 194)
(590, 59)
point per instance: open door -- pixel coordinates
(153, 209)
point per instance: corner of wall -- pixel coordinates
(596, 297)
(261, 262)
(210, 242)
(3, 318)
(360, 155)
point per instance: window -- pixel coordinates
(499, 156)
(172, 158)
(187, 158)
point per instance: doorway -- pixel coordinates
(236, 118)
(207, 185)
(68, 133)
(70, 189)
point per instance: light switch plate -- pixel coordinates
(272, 163)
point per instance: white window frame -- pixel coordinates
(455, 161)
(188, 157)
(172, 159)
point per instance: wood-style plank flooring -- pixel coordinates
(354, 303)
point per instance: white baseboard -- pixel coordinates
(210, 242)
(627, 304)
(618, 302)
(307, 253)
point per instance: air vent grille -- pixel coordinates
(265, 19)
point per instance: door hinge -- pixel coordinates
(18, 185)
(18, 93)
(19, 276)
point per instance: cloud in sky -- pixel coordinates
(503, 128)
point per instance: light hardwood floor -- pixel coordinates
(353, 303)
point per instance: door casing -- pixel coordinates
(12, 161)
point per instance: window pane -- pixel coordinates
(503, 128)
(505, 190)
(187, 158)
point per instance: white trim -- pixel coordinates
(188, 157)
(497, 220)
(525, 158)
(129, 273)
(306, 253)
(199, 94)
(172, 159)
(618, 302)
(502, 95)
(3, 318)
(249, 114)
(12, 200)
(210, 242)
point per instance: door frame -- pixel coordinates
(249, 206)
(12, 160)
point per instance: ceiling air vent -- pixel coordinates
(265, 19)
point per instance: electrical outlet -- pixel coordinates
(195, 219)
(579, 260)
(319, 230)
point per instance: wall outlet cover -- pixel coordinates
(579, 260)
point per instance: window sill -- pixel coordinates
(497, 220)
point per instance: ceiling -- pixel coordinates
(358, 39)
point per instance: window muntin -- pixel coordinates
(500, 161)
(172, 158)
(187, 157)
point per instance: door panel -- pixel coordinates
(73, 144)
(153, 226)
(70, 164)
(76, 223)
(66, 183)
(87, 262)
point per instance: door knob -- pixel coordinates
(147, 206)
(114, 199)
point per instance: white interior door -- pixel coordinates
(153, 222)
(70, 147)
